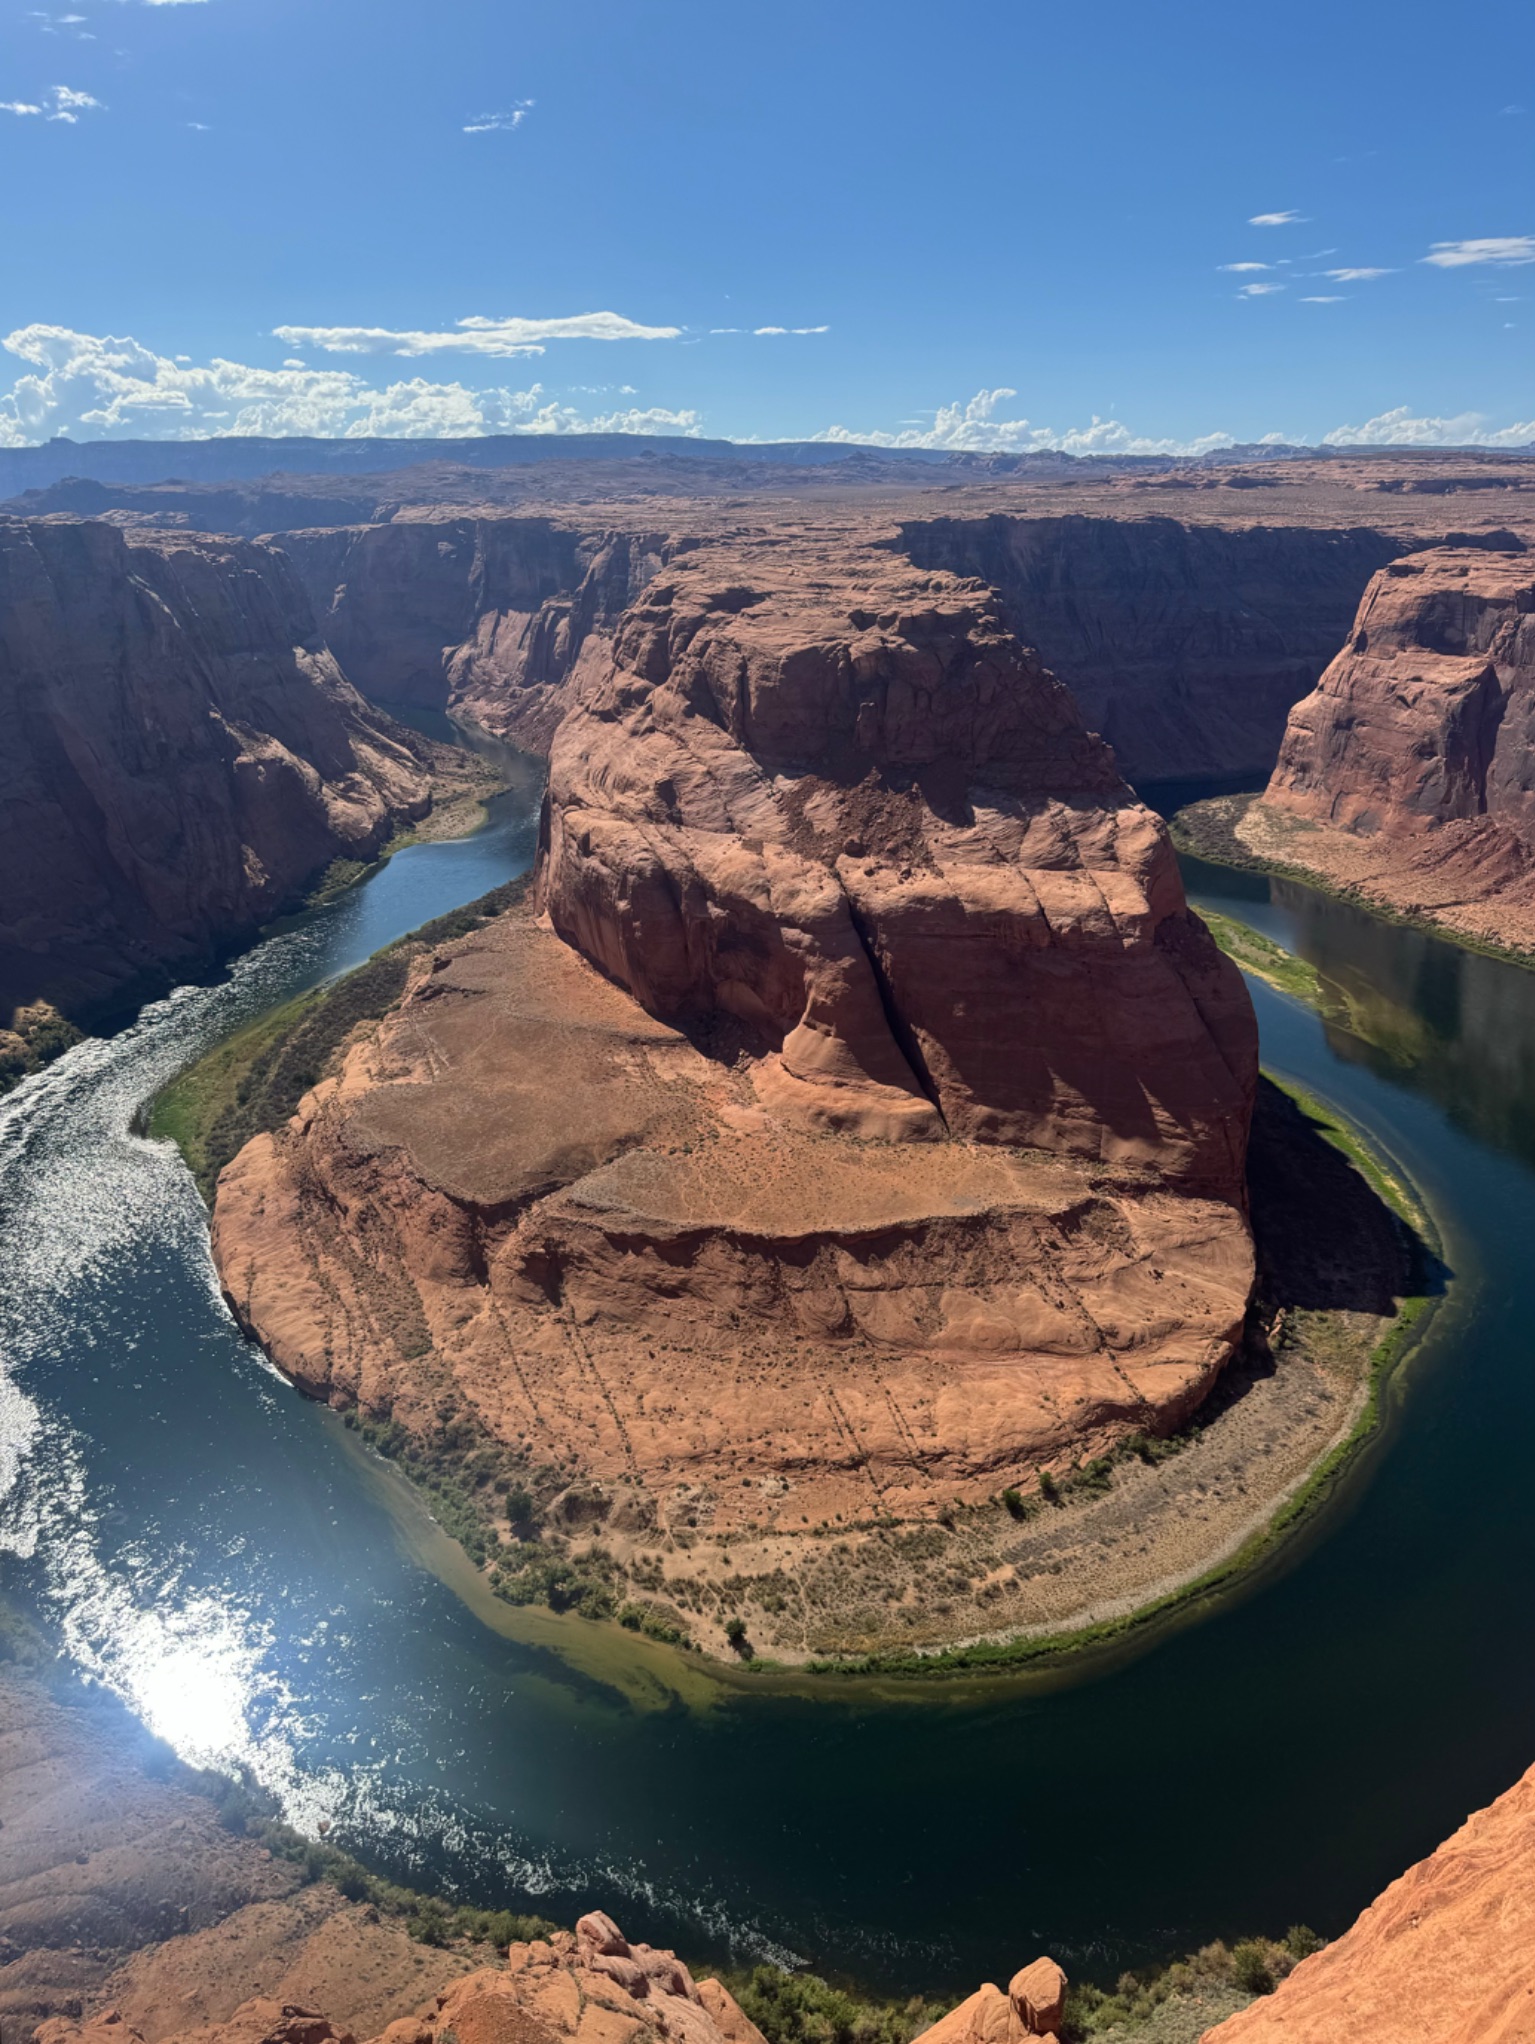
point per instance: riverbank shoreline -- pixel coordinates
(1235, 831)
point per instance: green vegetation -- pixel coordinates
(33, 1036)
(802, 2008)
(1211, 1984)
(255, 1079)
(1207, 830)
(1269, 961)
(248, 1812)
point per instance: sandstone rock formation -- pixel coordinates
(182, 753)
(1032, 2007)
(895, 1148)
(1184, 644)
(1408, 773)
(1445, 1956)
(491, 616)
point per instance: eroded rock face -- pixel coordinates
(1445, 1956)
(182, 752)
(1410, 771)
(1033, 2006)
(866, 827)
(489, 616)
(1184, 644)
(874, 1135)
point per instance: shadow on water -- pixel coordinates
(208, 1546)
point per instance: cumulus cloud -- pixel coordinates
(474, 336)
(976, 428)
(59, 103)
(1259, 290)
(500, 124)
(1401, 428)
(1276, 219)
(1330, 298)
(1246, 266)
(1356, 276)
(104, 385)
(1506, 250)
(778, 330)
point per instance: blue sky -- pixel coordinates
(964, 222)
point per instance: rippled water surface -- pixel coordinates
(219, 1552)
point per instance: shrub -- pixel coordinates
(1049, 1489)
(1250, 1967)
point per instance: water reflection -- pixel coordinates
(1446, 1022)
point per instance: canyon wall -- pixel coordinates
(1409, 773)
(874, 1136)
(182, 753)
(487, 616)
(1184, 644)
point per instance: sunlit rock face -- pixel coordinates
(182, 752)
(1409, 773)
(838, 805)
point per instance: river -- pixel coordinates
(220, 1553)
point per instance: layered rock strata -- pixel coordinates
(1445, 1956)
(182, 753)
(1184, 644)
(861, 1126)
(489, 617)
(1407, 774)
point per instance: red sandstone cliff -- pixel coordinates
(1409, 773)
(489, 616)
(875, 1135)
(182, 753)
(1184, 644)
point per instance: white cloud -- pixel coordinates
(1259, 290)
(1246, 266)
(474, 336)
(61, 103)
(1506, 250)
(500, 124)
(1356, 276)
(1332, 298)
(102, 386)
(975, 428)
(1276, 219)
(778, 330)
(1400, 428)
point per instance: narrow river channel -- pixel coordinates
(218, 1552)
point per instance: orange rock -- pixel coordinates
(1445, 1956)
(1407, 768)
(1032, 2007)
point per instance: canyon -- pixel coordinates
(183, 755)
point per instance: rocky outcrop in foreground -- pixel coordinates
(874, 1136)
(1407, 774)
(1445, 1956)
(182, 754)
(590, 1987)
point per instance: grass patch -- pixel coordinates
(1268, 961)
(802, 2008)
(254, 1080)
